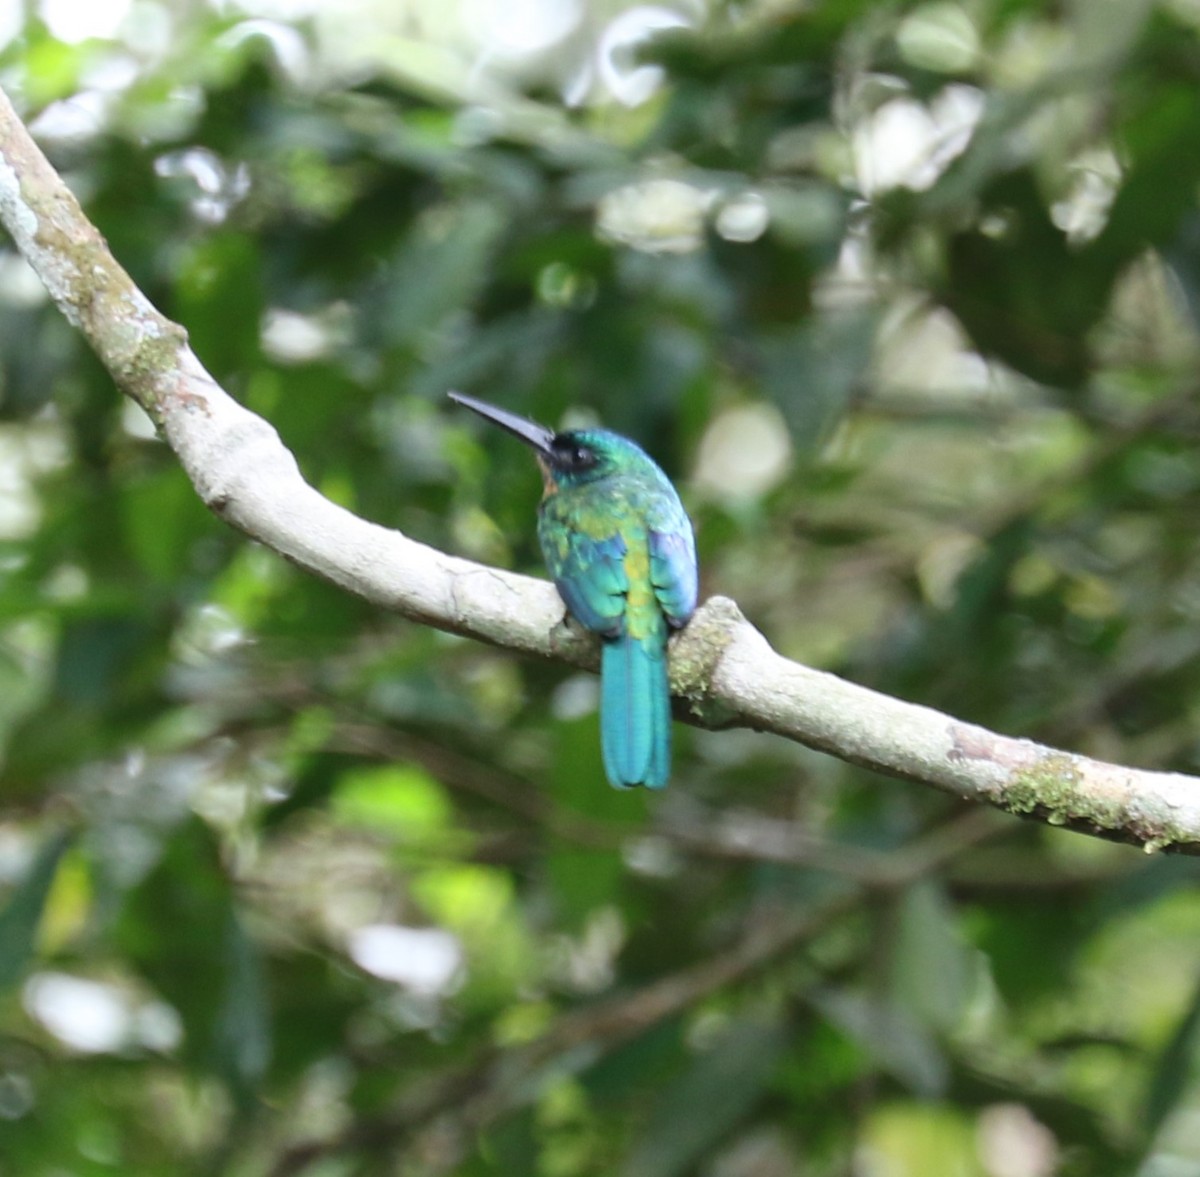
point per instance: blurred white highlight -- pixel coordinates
(744, 452)
(627, 81)
(521, 28)
(656, 216)
(426, 961)
(907, 144)
(93, 1017)
(70, 21)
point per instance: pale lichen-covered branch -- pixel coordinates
(724, 669)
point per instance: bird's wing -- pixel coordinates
(591, 579)
(673, 572)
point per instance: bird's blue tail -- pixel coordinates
(635, 712)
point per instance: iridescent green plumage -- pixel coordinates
(620, 548)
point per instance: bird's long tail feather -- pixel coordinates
(635, 712)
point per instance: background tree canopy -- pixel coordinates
(906, 298)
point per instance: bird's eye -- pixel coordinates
(571, 455)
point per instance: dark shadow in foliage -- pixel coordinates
(181, 928)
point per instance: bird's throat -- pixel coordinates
(549, 483)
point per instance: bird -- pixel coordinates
(621, 550)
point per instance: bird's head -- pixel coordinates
(569, 458)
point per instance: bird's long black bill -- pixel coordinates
(528, 431)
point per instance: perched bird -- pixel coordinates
(621, 550)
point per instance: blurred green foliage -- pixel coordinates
(905, 296)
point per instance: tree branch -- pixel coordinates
(721, 665)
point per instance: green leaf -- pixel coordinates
(833, 351)
(586, 878)
(711, 1096)
(19, 920)
(439, 268)
(163, 517)
(219, 295)
(932, 966)
(899, 1043)
(182, 930)
(400, 800)
(242, 1032)
(1175, 1073)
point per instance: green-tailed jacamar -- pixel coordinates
(620, 548)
